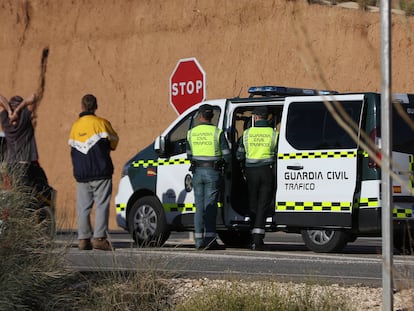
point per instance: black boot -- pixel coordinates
(257, 244)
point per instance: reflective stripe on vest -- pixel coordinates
(204, 142)
(259, 143)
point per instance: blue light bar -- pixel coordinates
(269, 90)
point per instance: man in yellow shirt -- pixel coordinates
(92, 139)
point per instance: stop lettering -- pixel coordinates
(186, 87)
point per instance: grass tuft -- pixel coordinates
(121, 291)
(265, 296)
(32, 276)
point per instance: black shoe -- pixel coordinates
(214, 246)
(257, 247)
(200, 244)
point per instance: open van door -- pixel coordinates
(317, 168)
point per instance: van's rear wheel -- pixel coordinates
(233, 238)
(325, 241)
(147, 223)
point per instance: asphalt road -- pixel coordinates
(286, 258)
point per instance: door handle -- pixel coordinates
(295, 167)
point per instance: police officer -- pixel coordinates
(257, 148)
(207, 148)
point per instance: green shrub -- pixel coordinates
(121, 291)
(32, 276)
(264, 296)
(407, 6)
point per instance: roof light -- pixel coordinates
(327, 92)
(270, 90)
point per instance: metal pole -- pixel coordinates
(386, 145)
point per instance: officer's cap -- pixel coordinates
(261, 112)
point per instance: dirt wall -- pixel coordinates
(124, 52)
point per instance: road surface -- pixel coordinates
(286, 258)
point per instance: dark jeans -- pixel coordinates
(260, 188)
(206, 183)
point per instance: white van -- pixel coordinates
(328, 184)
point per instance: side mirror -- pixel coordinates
(159, 146)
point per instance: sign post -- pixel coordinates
(187, 84)
(386, 139)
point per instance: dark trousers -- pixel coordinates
(260, 188)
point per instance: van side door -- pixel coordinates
(317, 161)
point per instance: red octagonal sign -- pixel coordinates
(187, 84)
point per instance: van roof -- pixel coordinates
(270, 90)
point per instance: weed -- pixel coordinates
(265, 296)
(32, 276)
(128, 291)
(407, 6)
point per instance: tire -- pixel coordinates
(232, 238)
(146, 222)
(325, 241)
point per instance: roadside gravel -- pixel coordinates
(359, 297)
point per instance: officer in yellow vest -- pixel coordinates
(207, 148)
(257, 148)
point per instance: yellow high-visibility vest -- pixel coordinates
(259, 143)
(204, 141)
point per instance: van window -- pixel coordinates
(403, 134)
(310, 126)
(242, 120)
(177, 137)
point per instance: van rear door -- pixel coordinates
(317, 161)
(402, 155)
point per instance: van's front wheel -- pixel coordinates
(325, 241)
(146, 222)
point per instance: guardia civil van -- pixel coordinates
(328, 177)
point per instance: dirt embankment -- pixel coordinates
(124, 53)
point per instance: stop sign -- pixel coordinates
(187, 84)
